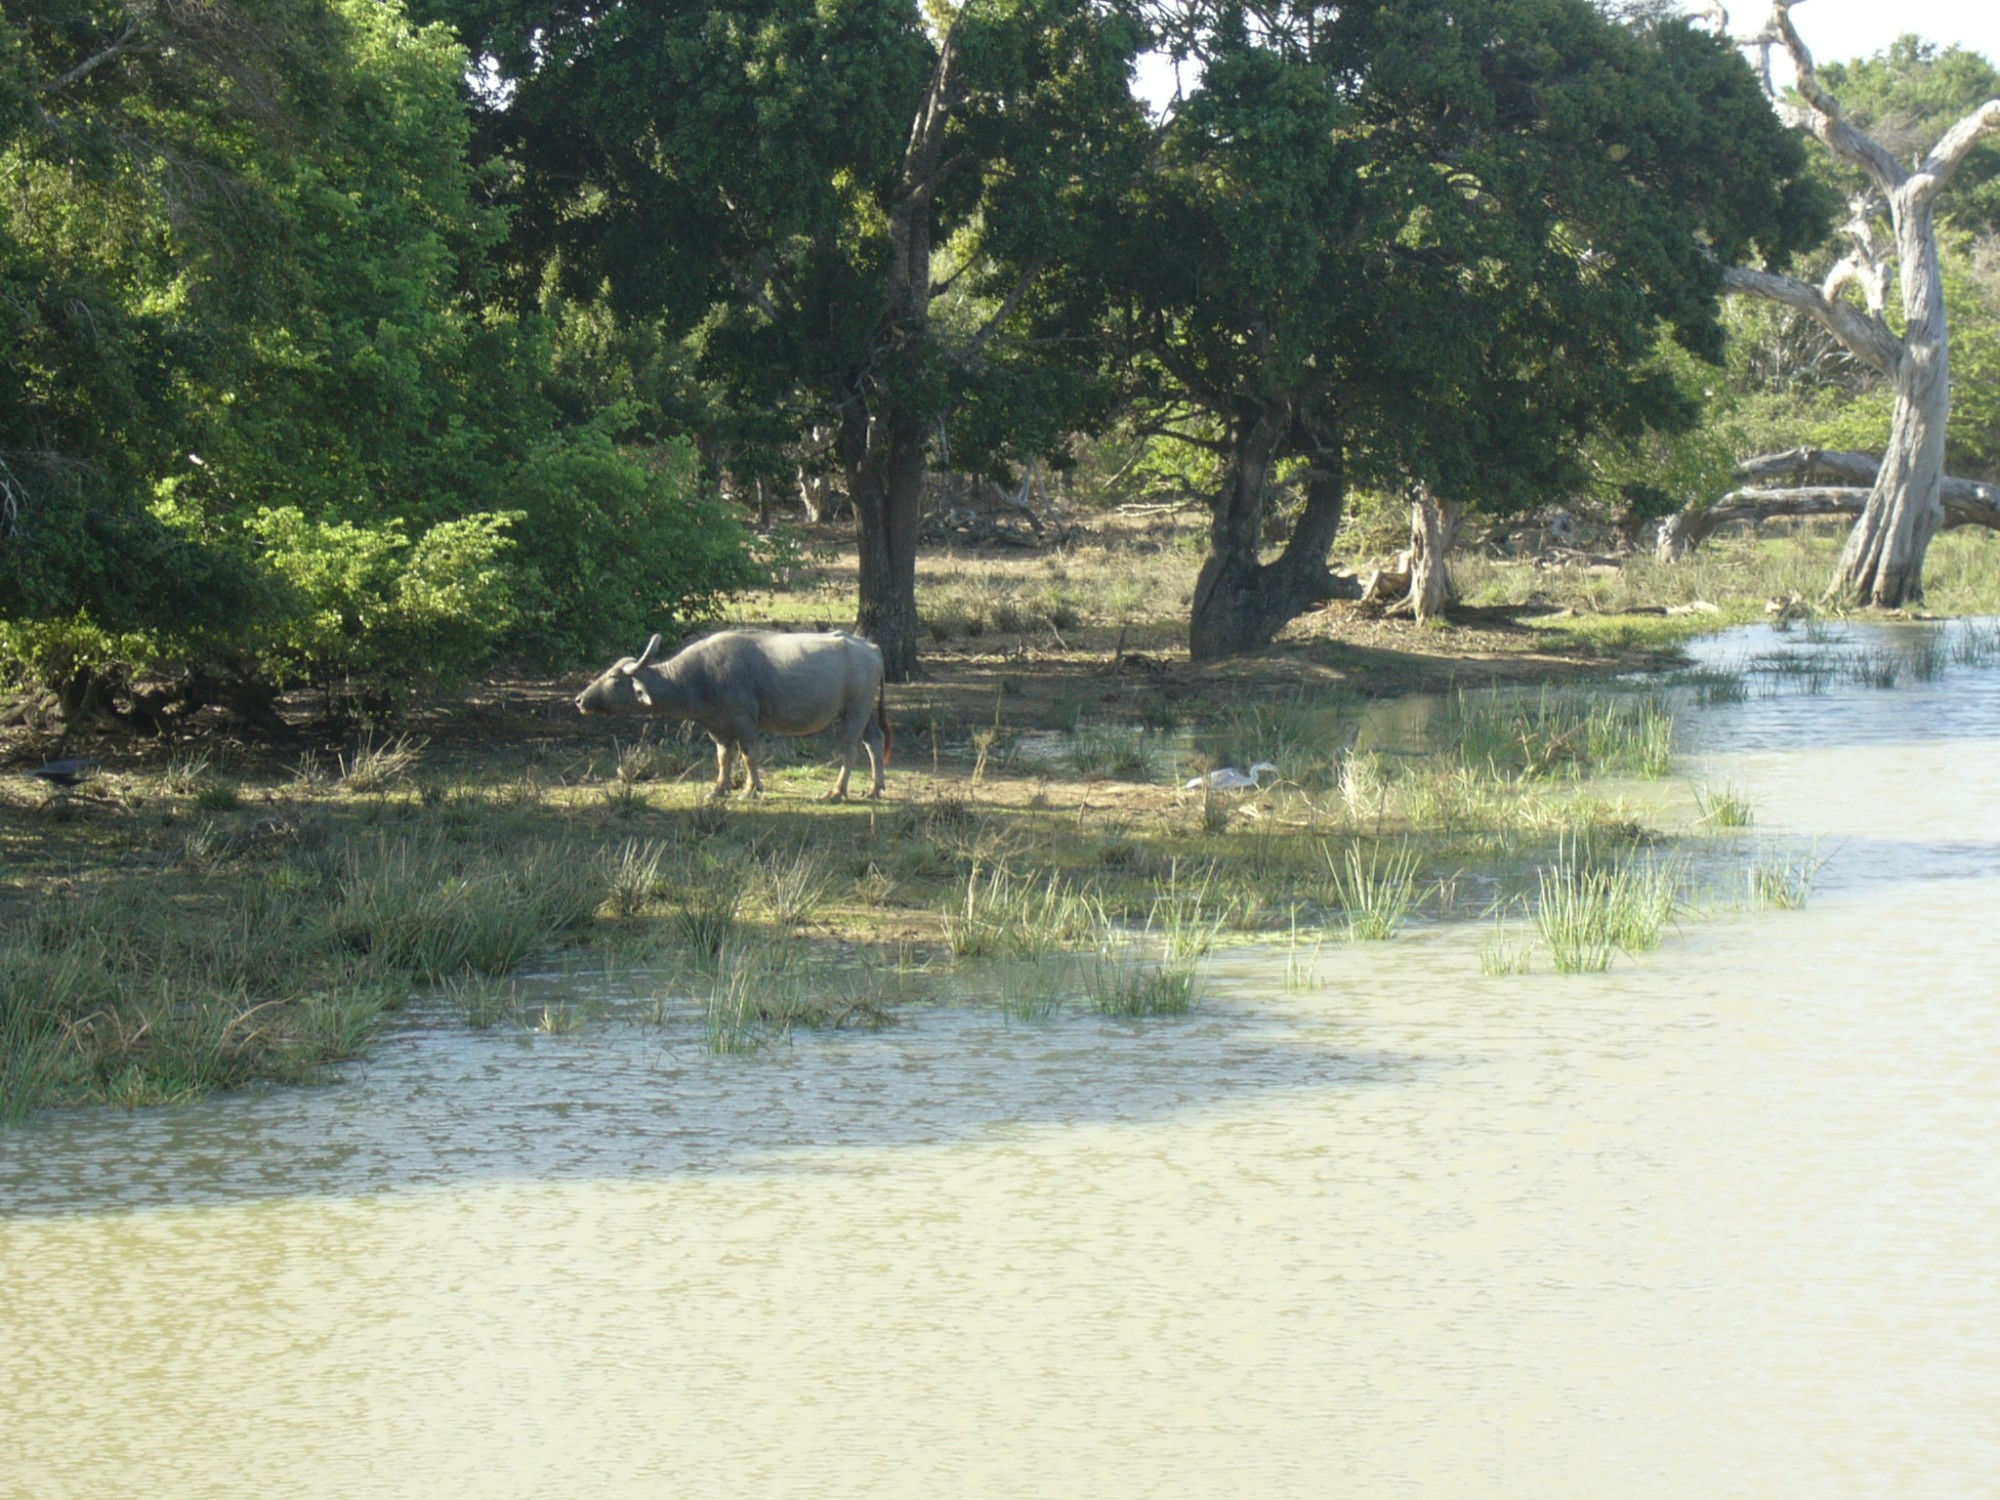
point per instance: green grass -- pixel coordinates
(1590, 908)
(1123, 982)
(1375, 892)
(1723, 808)
(1004, 915)
(1783, 881)
(1116, 752)
(1560, 732)
(1033, 991)
(430, 910)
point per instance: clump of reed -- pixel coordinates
(1033, 991)
(375, 767)
(1005, 915)
(1723, 807)
(430, 910)
(793, 885)
(1119, 751)
(1505, 952)
(1560, 732)
(1184, 918)
(484, 1000)
(760, 993)
(1375, 892)
(1782, 880)
(632, 878)
(1124, 980)
(1590, 907)
(707, 903)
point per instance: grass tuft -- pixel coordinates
(1375, 893)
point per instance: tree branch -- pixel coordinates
(127, 41)
(1826, 121)
(1868, 336)
(1950, 152)
(750, 290)
(1006, 310)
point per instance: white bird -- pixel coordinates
(1229, 779)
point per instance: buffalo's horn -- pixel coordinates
(647, 655)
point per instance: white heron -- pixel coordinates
(1229, 779)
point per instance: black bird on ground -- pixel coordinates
(67, 772)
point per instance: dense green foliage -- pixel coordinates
(784, 188)
(254, 414)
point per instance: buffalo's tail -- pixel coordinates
(882, 718)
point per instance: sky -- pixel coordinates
(1842, 30)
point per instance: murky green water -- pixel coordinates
(1725, 1221)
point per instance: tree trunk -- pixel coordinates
(1883, 562)
(885, 461)
(1240, 604)
(1433, 530)
(882, 432)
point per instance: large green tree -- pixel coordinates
(1430, 247)
(775, 180)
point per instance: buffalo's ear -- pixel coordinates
(639, 691)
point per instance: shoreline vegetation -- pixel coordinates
(209, 915)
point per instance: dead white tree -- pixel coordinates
(1883, 562)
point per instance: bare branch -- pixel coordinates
(1868, 336)
(1824, 118)
(1006, 309)
(127, 41)
(1950, 152)
(1861, 266)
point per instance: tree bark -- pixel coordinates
(1240, 603)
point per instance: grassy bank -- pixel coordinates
(205, 916)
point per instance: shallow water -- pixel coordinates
(1724, 1221)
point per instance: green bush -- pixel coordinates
(617, 542)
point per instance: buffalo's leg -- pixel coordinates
(878, 752)
(724, 753)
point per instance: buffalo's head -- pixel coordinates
(620, 687)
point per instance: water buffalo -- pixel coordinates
(741, 684)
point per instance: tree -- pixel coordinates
(1882, 563)
(774, 180)
(1429, 248)
(254, 428)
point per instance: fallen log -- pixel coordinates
(1967, 502)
